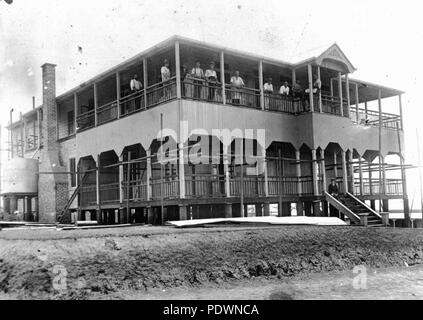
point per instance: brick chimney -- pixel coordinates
(49, 106)
(52, 187)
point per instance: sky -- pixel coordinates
(383, 40)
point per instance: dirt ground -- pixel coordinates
(403, 283)
(131, 262)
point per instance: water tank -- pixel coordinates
(19, 175)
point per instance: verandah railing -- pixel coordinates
(371, 117)
(252, 186)
(202, 90)
(85, 120)
(170, 187)
(245, 97)
(292, 186)
(136, 189)
(156, 94)
(132, 103)
(279, 103)
(107, 112)
(198, 186)
(204, 186)
(161, 92)
(372, 187)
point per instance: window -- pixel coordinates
(72, 168)
(71, 122)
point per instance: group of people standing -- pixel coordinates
(297, 91)
(200, 84)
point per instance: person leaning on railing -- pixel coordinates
(198, 74)
(284, 90)
(211, 78)
(268, 90)
(237, 84)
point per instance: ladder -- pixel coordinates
(65, 210)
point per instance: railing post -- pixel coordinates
(118, 93)
(351, 170)
(266, 178)
(222, 75)
(357, 101)
(178, 71)
(310, 86)
(121, 179)
(384, 181)
(145, 77)
(366, 110)
(335, 165)
(260, 71)
(320, 91)
(381, 185)
(242, 179)
(149, 186)
(95, 105)
(298, 171)
(128, 179)
(344, 171)
(347, 85)
(323, 169)
(226, 170)
(97, 189)
(181, 171)
(370, 177)
(360, 172)
(280, 180)
(340, 93)
(314, 171)
(295, 106)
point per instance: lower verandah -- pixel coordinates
(136, 182)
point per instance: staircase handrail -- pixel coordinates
(364, 205)
(341, 207)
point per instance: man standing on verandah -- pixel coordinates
(237, 84)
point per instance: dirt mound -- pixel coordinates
(79, 268)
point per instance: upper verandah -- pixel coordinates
(331, 58)
(100, 95)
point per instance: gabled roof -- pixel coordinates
(335, 53)
(332, 57)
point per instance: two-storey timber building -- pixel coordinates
(95, 149)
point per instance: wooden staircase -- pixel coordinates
(357, 211)
(64, 216)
